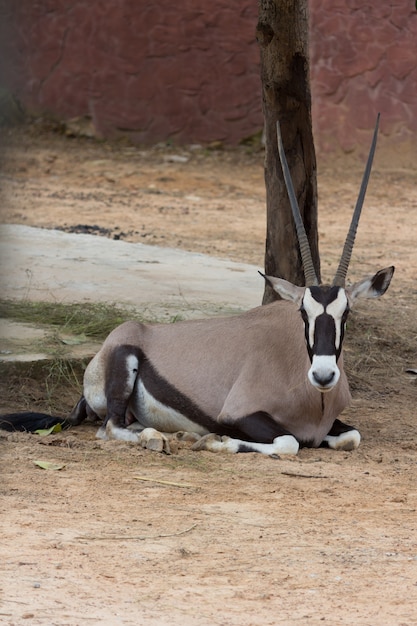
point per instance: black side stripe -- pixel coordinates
(170, 396)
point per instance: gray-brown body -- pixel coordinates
(230, 368)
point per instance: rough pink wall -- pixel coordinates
(157, 70)
(363, 60)
(189, 71)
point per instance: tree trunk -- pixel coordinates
(282, 33)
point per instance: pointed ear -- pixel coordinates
(372, 287)
(285, 289)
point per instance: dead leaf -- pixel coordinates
(48, 465)
(43, 432)
(73, 340)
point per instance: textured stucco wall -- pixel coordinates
(189, 71)
(363, 60)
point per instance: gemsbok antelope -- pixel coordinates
(267, 380)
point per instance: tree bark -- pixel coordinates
(282, 33)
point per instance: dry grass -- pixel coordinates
(94, 320)
(380, 345)
(51, 386)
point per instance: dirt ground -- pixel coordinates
(121, 535)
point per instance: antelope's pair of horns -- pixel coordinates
(307, 259)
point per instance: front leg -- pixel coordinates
(284, 444)
(342, 437)
(260, 432)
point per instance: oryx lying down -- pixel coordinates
(268, 380)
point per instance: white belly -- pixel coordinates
(151, 413)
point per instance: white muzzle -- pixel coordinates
(324, 373)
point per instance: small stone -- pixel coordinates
(175, 158)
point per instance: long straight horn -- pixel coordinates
(307, 259)
(340, 278)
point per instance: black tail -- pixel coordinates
(30, 421)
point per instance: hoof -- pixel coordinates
(152, 439)
(210, 442)
(186, 437)
(285, 444)
(346, 442)
(101, 434)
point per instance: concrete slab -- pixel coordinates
(49, 265)
(26, 343)
(18, 341)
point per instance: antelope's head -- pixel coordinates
(324, 309)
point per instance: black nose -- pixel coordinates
(323, 380)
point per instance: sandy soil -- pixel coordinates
(120, 535)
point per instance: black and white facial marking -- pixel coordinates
(324, 311)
